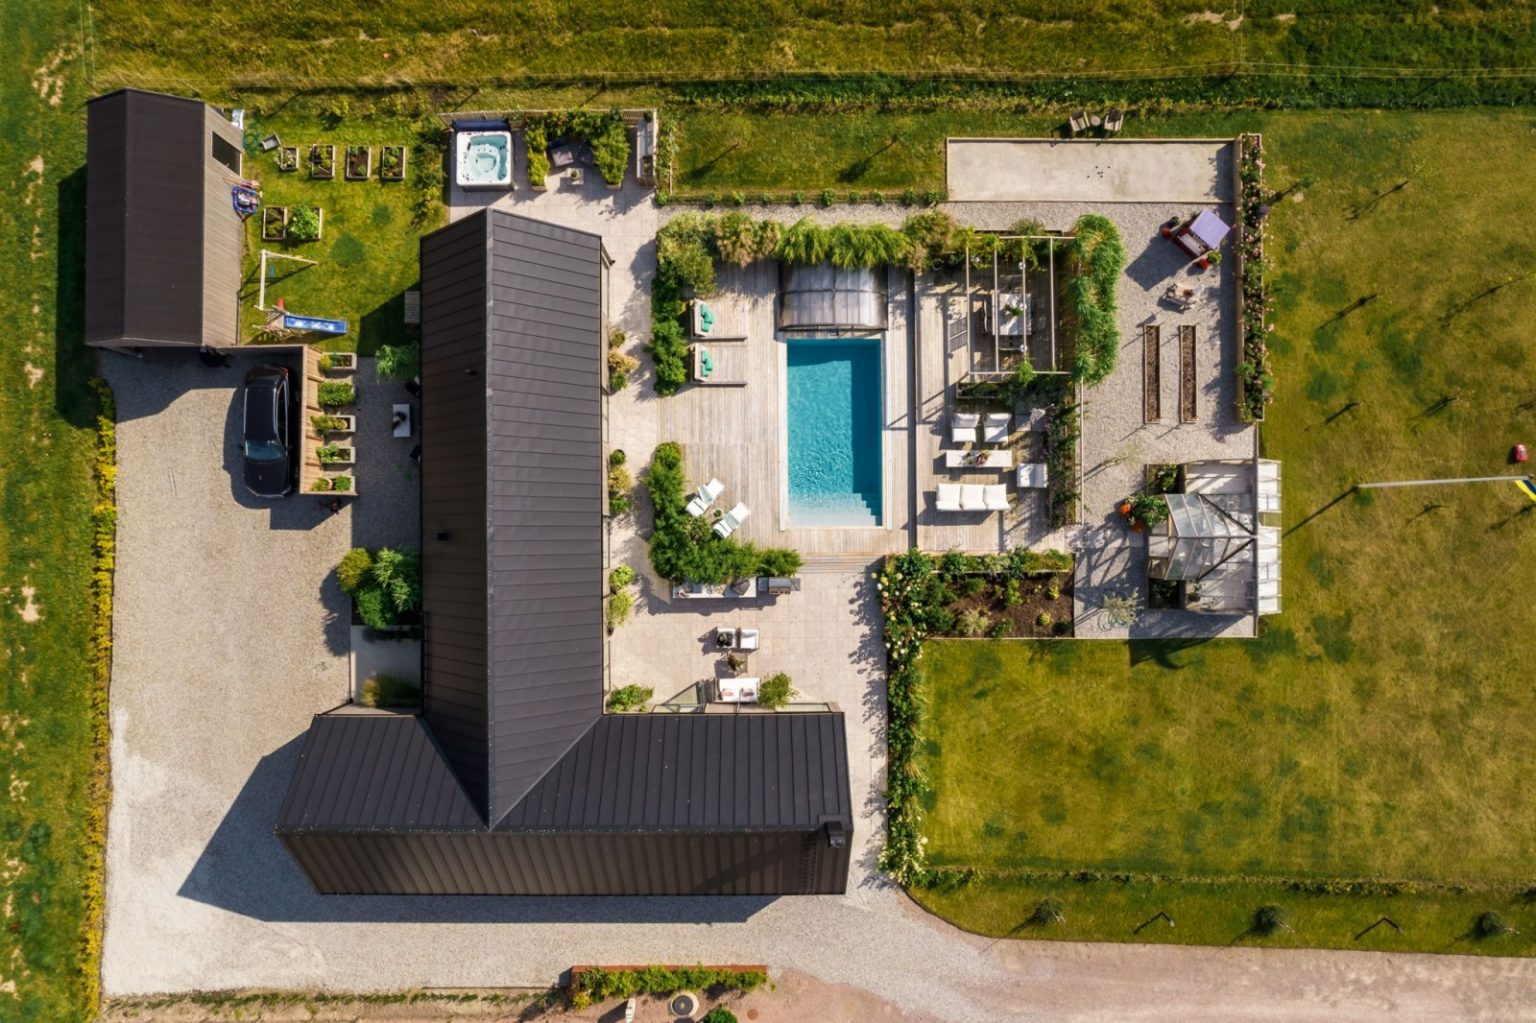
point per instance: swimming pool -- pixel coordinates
(484, 159)
(833, 410)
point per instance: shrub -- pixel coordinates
(797, 198)
(599, 985)
(909, 197)
(326, 424)
(1045, 620)
(629, 697)
(855, 197)
(617, 457)
(670, 353)
(537, 140)
(779, 561)
(353, 569)
(390, 691)
(934, 196)
(328, 452)
(973, 622)
(1095, 259)
(620, 483)
(1013, 593)
(619, 578)
(998, 629)
(616, 610)
(620, 364)
(399, 362)
(373, 606)
(303, 223)
(775, 691)
(398, 572)
(1053, 590)
(828, 197)
(335, 393)
(719, 1014)
(973, 585)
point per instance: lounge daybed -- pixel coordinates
(732, 520)
(706, 496)
(997, 427)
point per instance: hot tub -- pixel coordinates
(483, 159)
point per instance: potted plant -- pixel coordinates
(336, 454)
(322, 161)
(1212, 258)
(321, 484)
(359, 162)
(305, 223)
(333, 424)
(341, 483)
(392, 163)
(288, 158)
(338, 362)
(274, 223)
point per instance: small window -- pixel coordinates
(226, 154)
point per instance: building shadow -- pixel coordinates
(73, 363)
(245, 869)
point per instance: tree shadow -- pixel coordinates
(1342, 495)
(856, 170)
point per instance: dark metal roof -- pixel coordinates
(144, 242)
(374, 772)
(704, 772)
(513, 587)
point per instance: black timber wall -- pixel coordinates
(572, 863)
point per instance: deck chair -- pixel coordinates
(1113, 120)
(948, 498)
(1078, 122)
(705, 497)
(962, 427)
(732, 520)
(997, 427)
(995, 497)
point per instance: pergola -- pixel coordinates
(1017, 318)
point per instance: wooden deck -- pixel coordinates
(739, 434)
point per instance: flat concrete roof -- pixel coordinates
(1090, 170)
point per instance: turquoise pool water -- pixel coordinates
(834, 410)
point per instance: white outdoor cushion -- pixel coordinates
(971, 498)
(996, 496)
(949, 497)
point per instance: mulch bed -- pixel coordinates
(1187, 373)
(1152, 372)
(1022, 619)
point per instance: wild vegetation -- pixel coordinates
(686, 548)
(594, 984)
(385, 585)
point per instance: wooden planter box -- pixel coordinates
(399, 154)
(288, 158)
(319, 225)
(338, 362)
(274, 223)
(345, 456)
(359, 163)
(322, 161)
(349, 424)
(331, 490)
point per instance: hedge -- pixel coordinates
(595, 984)
(683, 547)
(1096, 259)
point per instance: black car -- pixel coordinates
(268, 464)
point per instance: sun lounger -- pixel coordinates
(995, 497)
(997, 427)
(732, 520)
(948, 498)
(962, 427)
(971, 497)
(705, 497)
(703, 319)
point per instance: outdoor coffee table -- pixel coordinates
(1000, 460)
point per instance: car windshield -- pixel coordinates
(263, 450)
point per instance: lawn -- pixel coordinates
(1378, 729)
(50, 715)
(367, 253)
(1151, 45)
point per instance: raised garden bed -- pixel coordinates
(305, 223)
(322, 161)
(1152, 373)
(274, 223)
(392, 163)
(333, 424)
(1000, 606)
(336, 454)
(338, 362)
(288, 158)
(359, 163)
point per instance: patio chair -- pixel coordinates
(948, 497)
(995, 497)
(1078, 122)
(962, 427)
(706, 496)
(1031, 476)
(732, 520)
(1113, 120)
(997, 427)
(972, 497)
(748, 639)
